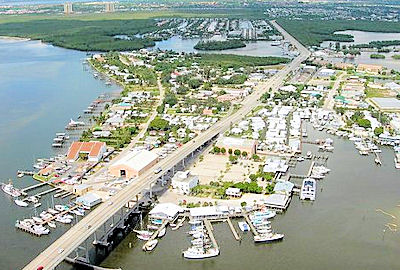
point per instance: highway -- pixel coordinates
(69, 241)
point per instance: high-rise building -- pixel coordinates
(68, 8)
(110, 7)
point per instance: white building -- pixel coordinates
(165, 211)
(183, 182)
(233, 192)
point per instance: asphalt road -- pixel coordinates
(69, 241)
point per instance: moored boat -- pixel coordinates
(150, 245)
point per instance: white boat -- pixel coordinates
(309, 155)
(39, 229)
(243, 226)
(21, 203)
(37, 204)
(397, 161)
(62, 219)
(308, 189)
(33, 199)
(269, 237)
(10, 190)
(37, 219)
(200, 253)
(150, 245)
(300, 159)
(162, 233)
(52, 224)
(60, 207)
(152, 227)
(265, 231)
(52, 211)
(143, 235)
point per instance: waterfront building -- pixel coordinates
(165, 211)
(92, 151)
(89, 199)
(277, 201)
(275, 165)
(133, 164)
(210, 212)
(81, 189)
(284, 187)
(183, 182)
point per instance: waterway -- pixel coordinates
(41, 88)
(253, 48)
(340, 230)
(361, 37)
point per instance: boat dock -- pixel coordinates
(156, 233)
(234, 232)
(210, 230)
(27, 229)
(252, 228)
(25, 190)
(22, 173)
(311, 168)
(378, 160)
(59, 214)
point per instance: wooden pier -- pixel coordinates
(234, 232)
(24, 190)
(210, 229)
(23, 173)
(252, 228)
(59, 214)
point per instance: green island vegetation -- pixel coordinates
(238, 61)
(358, 118)
(215, 45)
(314, 32)
(83, 35)
(396, 56)
(378, 44)
(377, 56)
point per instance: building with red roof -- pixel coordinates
(93, 151)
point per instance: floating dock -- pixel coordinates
(210, 232)
(234, 232)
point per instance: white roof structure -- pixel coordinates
(277, 200)
(137, 160)
(211, 211)
(165, 211)
(276, 165)
(288, 88)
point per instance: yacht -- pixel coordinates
(269, 237)
(52, 211)
(10, 190)
(200, 253)
(309, 155)
(39, 229)
(300, 159)
(397, 161)
(37, 219)
(63, 219)
(308, 189)
(150, 245)
(21, 203)
(144, 235)
(244, 227)
(162, 233)
(52, 224)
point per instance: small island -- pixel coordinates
(219, 45)
(377, 56)
(396, 56)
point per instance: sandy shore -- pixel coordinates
(14, 38)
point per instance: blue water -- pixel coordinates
(41, 88)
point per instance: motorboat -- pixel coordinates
(11, 190)
(37, 219)
(150, 245)
(243, 226)
(300, 159)
(397, 161)
(200, 253)
(267, 238)
(60, 207)
(36, 205)
(52, 211)
(21, 203)
(162, 233)
(309, 155)
(52, 224)
(63, 219)
(308, 189)
(143, 235)
(39, 229)
(33, 199)
(152, 227)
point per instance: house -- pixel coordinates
(288, 88)
(92, 151)
(326, 72)
(133, 164)
(89, 199)
(233, 192)
(184, 182)
(284, 187)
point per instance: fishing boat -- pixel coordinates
(21, 203)
(162, 233)
(308, 189)
(269, 237)
(200, 253)
(11, 190)
(150, 245)
(243, 226)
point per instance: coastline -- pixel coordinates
(14, 38)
